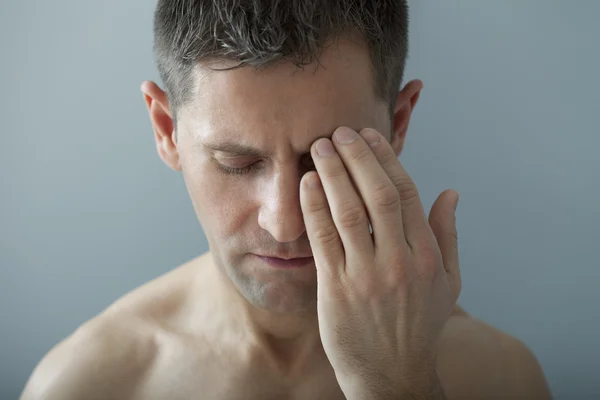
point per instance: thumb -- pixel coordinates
(442, 221)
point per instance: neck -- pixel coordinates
(289, 341)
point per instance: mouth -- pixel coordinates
(277, 262)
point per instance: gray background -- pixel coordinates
(507, 117)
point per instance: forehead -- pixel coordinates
(285, 104)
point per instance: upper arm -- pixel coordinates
(98, 361)
(476, 360)
(525, 378)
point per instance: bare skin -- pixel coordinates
(225, 326)
(142, 347)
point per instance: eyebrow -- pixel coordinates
(240, 149)
(235, 148)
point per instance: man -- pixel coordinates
(325, 279)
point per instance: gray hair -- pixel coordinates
(260, 32)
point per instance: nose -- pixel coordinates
(280, 213)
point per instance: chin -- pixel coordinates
(271, 289)
(281, 296)
(294, 302)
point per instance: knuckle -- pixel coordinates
(397, 275)
(317, 207)
(367, 288)
(334, 171)
(326, 234)
(361, 154)
(352, 217)
(428, 271)
(406, 188)
(364, 287)
(386, 198)
(387, 157)
(429, 264)
(396, 279)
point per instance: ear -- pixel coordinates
(405, 104)
(162, 123)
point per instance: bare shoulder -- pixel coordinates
(110, 355)
(160, 297)
(104, 358)
(477, 360)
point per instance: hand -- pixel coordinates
(382, 298)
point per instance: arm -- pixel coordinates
(524, 375)
(98, 361)
(476, 360)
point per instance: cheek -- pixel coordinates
(222, 203)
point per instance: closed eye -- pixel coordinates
(240, 170)
(307, 163)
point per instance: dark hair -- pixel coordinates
(261, 32)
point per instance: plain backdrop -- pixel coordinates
(508, 117)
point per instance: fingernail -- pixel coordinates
(325, 148)
(345, 135)
(371, 137)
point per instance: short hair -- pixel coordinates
(259, 33)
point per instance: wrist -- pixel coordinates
(422, 387)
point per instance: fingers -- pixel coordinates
(416, 229)
(347, 208)
(376, 189)
(322, 233)
(387, 196)
(443, 224)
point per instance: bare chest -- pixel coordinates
(186, 373)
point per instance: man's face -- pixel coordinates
(248, 201)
